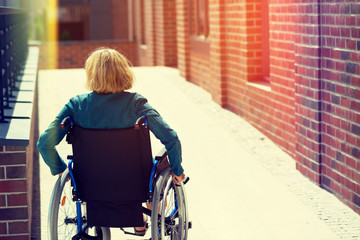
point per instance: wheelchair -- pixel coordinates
(107, 184)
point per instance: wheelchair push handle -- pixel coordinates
(141, 121)
(66, 121)
(186, 180)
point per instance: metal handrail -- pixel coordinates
(13, 53)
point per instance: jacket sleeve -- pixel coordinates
(163, 132)
(52, 137)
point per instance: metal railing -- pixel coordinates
(13, 53)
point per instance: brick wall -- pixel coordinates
(204, 60)
(165, 26)
(340, 100)
(307, 87)
(160, 47)
(74, 54)
(120, 19)
(327, 97)
(14, 208)
(199, 70)
(279, 121)
(149, 24)
(143, 29)
(232, 69)
(182, 29)
(216, 84)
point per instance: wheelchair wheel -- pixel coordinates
(62, 216)
(171, 220)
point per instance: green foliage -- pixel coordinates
(38, 32)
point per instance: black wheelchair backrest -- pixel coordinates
(112, 164)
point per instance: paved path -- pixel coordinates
(242, 186)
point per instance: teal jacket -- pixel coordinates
(117, 110)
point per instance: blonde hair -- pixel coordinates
(108, 71)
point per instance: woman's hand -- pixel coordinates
(60, 174)
(178, 179)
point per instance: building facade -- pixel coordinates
(290, 68)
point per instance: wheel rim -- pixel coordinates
(66, 225)
(63, 215)
(172, 218)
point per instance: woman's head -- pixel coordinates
(108, 71)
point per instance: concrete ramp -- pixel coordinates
(242, 185)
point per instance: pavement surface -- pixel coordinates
(242, 185)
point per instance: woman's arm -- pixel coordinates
(164, 133)
(52, 137)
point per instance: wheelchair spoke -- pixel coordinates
(68, 235)
(170, 221)
(67, 221)
(63, 215)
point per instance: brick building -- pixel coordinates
(291, 68)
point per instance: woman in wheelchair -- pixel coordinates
(110, 106)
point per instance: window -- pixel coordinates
(73, 23)
(142, 23)
(202, 19)
(87, 20)
(258, 47)
(199, 26)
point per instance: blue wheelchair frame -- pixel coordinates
(68, 120)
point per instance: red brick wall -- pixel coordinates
(340, 100)
(74, 54)
(145, 50)
(120, 17)
(150, 45)
(14, 204)
(166, 33)
(182, 29)
(252, 31)
(234, 62)
(280, 122)
(143, 59)
(160, 46)
(199, 70)
(307, 85)
(216, 78)
(327, 97)
(204, 60)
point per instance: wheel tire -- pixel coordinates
(169, 224)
